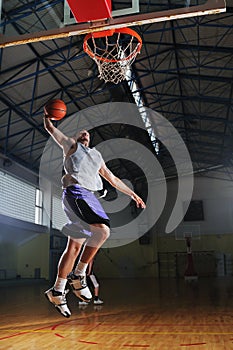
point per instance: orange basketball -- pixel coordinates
(55, 109)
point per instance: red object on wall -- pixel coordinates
(90, 10)
(190, 270)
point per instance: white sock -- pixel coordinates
(60, 284)
(81, 268)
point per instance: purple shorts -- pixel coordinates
(82, 209)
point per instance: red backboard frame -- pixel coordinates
(211, 7)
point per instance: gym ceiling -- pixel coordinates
(184, 72)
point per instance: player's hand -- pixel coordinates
(46, 115)
(139, 201)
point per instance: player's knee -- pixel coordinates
(101, 232)
(73, 247)
(106, 232)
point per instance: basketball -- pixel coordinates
(55, 109)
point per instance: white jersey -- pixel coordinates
(84, 165)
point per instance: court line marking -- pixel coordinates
(194, 344)
(59, 335)
(136, 346)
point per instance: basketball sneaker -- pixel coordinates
(79, 287)
(58, 299)
(98, 301)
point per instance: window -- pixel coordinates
(17, 198)
(20, 200)
(39, 207)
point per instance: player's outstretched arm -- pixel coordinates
(61, 139)
(119, 185)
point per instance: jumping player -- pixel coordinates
(88, 223)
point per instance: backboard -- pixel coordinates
(29, 21)
(186, 231)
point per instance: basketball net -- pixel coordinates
(114, 51)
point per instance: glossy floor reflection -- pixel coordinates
(137, 314)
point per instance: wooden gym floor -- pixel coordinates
(137, 314)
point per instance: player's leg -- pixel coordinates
(57, 294)
(84, 209)
(69, 256)
(77, 278)
(95, 283)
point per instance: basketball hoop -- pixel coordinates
(113, 51)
